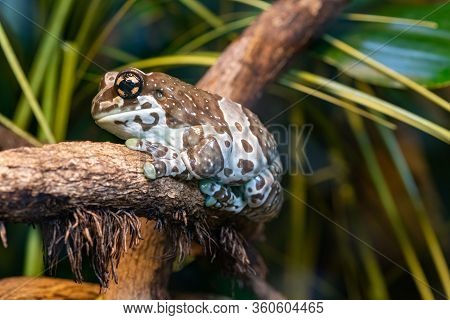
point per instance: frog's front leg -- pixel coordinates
(205, 159)
(166, 160)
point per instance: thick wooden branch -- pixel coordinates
(39, 183)
(258, 55)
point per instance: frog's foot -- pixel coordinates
(165, 168)
(167, 161)
(221, 196)
(264, 196)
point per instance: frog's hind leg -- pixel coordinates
(264, 196)
(166, 160)
(221, 196)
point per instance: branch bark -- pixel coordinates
(263, 50)
(48, 182)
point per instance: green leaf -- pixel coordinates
(203, 12)
(371, 102)
(13, 62)
(407, 82)
(50, 37)
(419, 53)
(390, 206)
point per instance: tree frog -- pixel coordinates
(194, 134)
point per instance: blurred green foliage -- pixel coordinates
(372, 221)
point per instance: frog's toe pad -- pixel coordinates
(133, 144)
(210, 201)
(220, 196)
(150, 171)
(209, 187)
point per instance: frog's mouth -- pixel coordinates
(125, 124)
(116, 117)
(113, 115)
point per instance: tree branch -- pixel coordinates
(263, 50)
(49, 182)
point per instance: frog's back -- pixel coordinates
(236, 127)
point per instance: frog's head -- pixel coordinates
(130, 103)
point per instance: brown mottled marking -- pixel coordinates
(260, 182)
(160, 153)
(160, 168)
(222, 195)
(227, 143)
(245, 165)
(175, 169)
(227, 172)
(106, 95)
(238, 126)
(221, 128)
(264, 137)
(146, 105)
(122, 123)
(247, 146)
(255, 197)
(147, 126)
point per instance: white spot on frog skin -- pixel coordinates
(197, 130)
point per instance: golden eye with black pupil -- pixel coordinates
(129, 84)
(159, 94)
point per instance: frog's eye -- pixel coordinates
(159, 94)
(129, 84)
